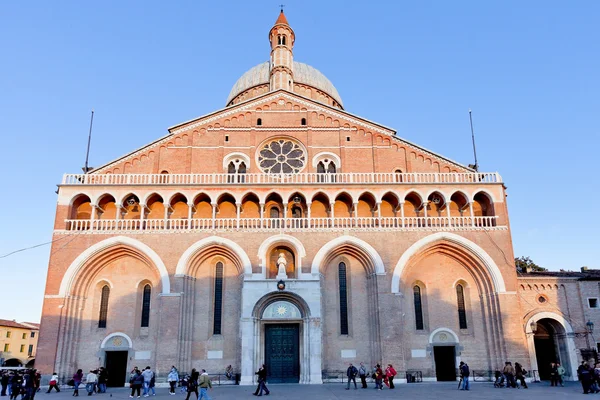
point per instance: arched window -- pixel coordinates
(283, 40)
(274, 212)
(259, 122)
(218, 309)
(320, 168)
(103, 307)
(303, 122)
(331, 168)
(398, 173)
(462, 314)
(231, 168)
(418, 308)
(343, 299)
(241, 171)
(146, 306)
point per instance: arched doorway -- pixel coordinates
(444, 347)
(116, 348)
(550, 341)
(13, 362)
(283, 333)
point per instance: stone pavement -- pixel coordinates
(331, 391)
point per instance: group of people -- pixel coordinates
(511, 376)
(380, 376)
(589, 377)
(25, 383)
(95, 381)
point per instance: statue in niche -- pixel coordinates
(281, 265)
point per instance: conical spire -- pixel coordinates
(281, 19)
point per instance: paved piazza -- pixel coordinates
(437, 391)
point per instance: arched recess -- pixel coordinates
(484, 259)
(360, 249)
(119, 334)
(91, 252)
(291, 241)
(231, 249)
(569, 352)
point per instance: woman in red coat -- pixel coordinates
(390, 373)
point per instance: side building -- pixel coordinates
(18, 343)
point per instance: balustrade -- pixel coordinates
(283, 224)
(270, 179)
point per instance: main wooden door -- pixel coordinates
(282, 353)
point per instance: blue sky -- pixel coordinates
(529, 70)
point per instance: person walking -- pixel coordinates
(77, 378)
(520, 374)
(148, 375)
(390, 373)
(362, 373)
(464, 375)
(53, 384)
(15, 386)
(262, 382)
(561, 374)
(90, 382)
(4, 382)
(204, 383)
(509, 373)
(378, 377)
(172, 378)
(586, 377)
(192, 386)
(136, 382)
(102, 380)
(351, 373)
(29, 385)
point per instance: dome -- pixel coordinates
(303, 74)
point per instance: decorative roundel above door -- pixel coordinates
(281, 156)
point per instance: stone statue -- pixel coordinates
(281, 264)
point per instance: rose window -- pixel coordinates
(281, 156)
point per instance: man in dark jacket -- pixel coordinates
(351, 373)
(464, 375)
(4, 382)
(262, 381)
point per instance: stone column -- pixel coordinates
(247, 334)
(308, 205)
(214, 214)
(238, 210)
(315, 333)
(262, 214)
(332, 213)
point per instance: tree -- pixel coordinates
(525, 264)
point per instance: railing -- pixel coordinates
(292, 224)
(269, 179)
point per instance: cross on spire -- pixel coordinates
(281, 6)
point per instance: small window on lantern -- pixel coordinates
(259, 122)
(303, 122)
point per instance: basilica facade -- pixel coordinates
(285, 230)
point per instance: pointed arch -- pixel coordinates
(232, 249)
(364, 252)
(488, 263)
(136, 245)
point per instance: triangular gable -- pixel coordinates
(253, 104)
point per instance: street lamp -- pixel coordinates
(534, 327)
(590, 327)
